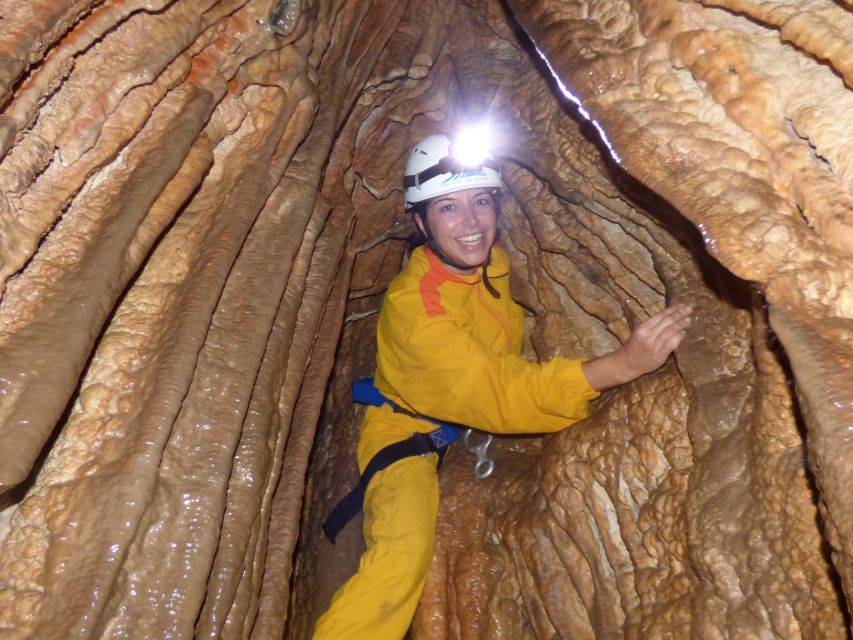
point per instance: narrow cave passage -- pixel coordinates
(200, 212)
(571, 535)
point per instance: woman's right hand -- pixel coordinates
(646, 349)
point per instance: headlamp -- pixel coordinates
(469, 152)
(471, 147)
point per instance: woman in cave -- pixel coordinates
(449, 349)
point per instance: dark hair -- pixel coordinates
(420, 208)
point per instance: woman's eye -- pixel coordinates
(446, 208)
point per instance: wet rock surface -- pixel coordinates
(199, 214)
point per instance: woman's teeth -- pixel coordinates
(472, 239)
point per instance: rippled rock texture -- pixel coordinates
(197, 196)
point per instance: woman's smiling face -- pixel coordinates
(463, 226)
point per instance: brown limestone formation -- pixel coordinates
(698, 519)
(200, 212)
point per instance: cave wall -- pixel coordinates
(199, 195)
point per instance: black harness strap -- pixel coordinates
(446, 165)
(418, 444)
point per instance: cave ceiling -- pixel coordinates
(200, 211)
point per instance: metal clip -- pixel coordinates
(485, 465)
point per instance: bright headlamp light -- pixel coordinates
(438, 165)
(471, 148)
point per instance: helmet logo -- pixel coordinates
(456, 177)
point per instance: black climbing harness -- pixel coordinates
(418, 444)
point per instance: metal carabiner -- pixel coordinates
(484, 466)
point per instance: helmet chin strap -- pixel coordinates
(430, 241)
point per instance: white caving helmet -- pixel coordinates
(437, 167)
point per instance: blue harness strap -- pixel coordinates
(445, 433)
(418, 444)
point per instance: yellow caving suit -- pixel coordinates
(449, 350)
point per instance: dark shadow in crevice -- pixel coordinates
(16, 495)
